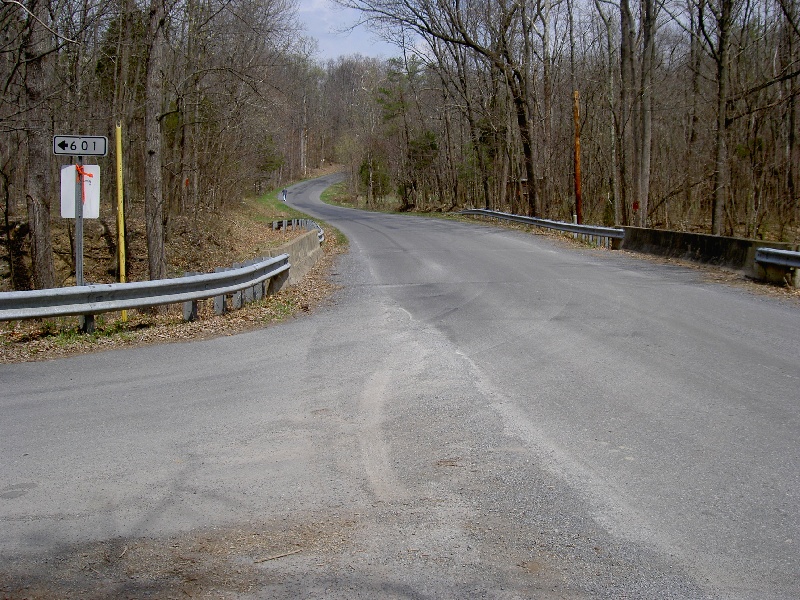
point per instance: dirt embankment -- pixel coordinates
(200, 245)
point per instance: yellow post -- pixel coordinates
(120, 216)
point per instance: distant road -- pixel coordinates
(480, 413)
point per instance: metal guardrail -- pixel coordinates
(99, 298)
(610, 233)
(780, 258)
(307, 224)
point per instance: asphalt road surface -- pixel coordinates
(480, 413)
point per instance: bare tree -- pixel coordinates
(38, 49)
(489, 29)
(613, 123)
(154, 192)
(717, 34)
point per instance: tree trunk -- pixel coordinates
(720, 141)
(577, 159)
(523, 122)
(474, 134)
(645, 111)
(626, 85)
(547, 101)
(789, 213)
(38, 144)
(154, 192)
(615, 168)
(690, 160)
(304, 139)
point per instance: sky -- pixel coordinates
(324, 21)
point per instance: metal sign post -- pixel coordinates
(80, 146)
(79, 222)
(86, 321)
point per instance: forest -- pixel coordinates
(672, 114)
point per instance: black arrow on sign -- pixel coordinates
(63, 145)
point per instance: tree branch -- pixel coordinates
(38, 20)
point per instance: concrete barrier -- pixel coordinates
(304, 251)
(736, 253)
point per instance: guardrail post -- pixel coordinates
(237, 298)
(190, 310)
(219, 301)
(190, 307)
(248, 294)
(86, 323)
(258, 289)
(219, 305)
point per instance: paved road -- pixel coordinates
(481, 413)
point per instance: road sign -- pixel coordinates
(80, 145)
(89, 195)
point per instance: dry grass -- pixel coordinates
(213, 562)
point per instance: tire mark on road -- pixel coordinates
(374, 446)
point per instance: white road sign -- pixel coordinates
(91, 192)
(80, 145)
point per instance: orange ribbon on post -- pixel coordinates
(81, 173)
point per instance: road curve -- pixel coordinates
(480, 413)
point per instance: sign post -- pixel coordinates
(80, 146)
(120, 215)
